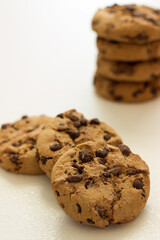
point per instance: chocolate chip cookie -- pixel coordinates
(128, 52)
(129, 71)
(17, 145)
(128, 23)
(66, 131)
(126, 92)
(97, 184)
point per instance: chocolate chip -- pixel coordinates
(152, 21)
(146, 84)
(118, 98)
(102, 161)
(62, 205)
(80, 169)
(89, 183)
(156, 12)
(95, 121)
(102, 153)
(4, 126)
(77, 123)
(107, 137)
(138, 184)
(115, 171)
(74, 178)
(85, 157)
(123, 68)
(61, 124)
(24, 117)
(134, 172)
(106, 175)
(90, 221)
(102, 212)
(55, 147)
(154, 90)
(0, 161)
(111, 92)
(153, 76)
(15, 159)
(124, 149)
(57, 193)
(79, 208)
(37, 156)
(60, 115)
(129, 8)
(17, 144)
(73, 133)
(142, 37)
(81, 122)
(45, 159)
(136, 93)
(72, 117)
(95, 22)
(17, 168)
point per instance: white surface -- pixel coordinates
(47, 61)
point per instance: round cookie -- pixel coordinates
(17, 145)
(128, 52)
(126, 92)
(128, 23)
(128, 71)
(97, 184)
(67, 130)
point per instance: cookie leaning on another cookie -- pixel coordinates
(67, 130)
(126, 91)
(17, 145)
(98, 184)
(128, 23)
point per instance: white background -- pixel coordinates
(47, 63)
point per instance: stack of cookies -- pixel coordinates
(96, 179)
(128, 65)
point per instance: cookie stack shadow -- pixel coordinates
(128, 62)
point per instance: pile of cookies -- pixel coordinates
(128, 65)
(96, 179)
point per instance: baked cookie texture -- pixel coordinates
(126, 91)
(17, 145)
(97, 184)
(66, 131)
(128, 23)
(128, 52)
(129, 71)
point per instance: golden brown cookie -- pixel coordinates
(128, 71)
(67, 130)
(128, 52)
(97, 184)
(128, 23)
(17, 145)
(126, 92)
